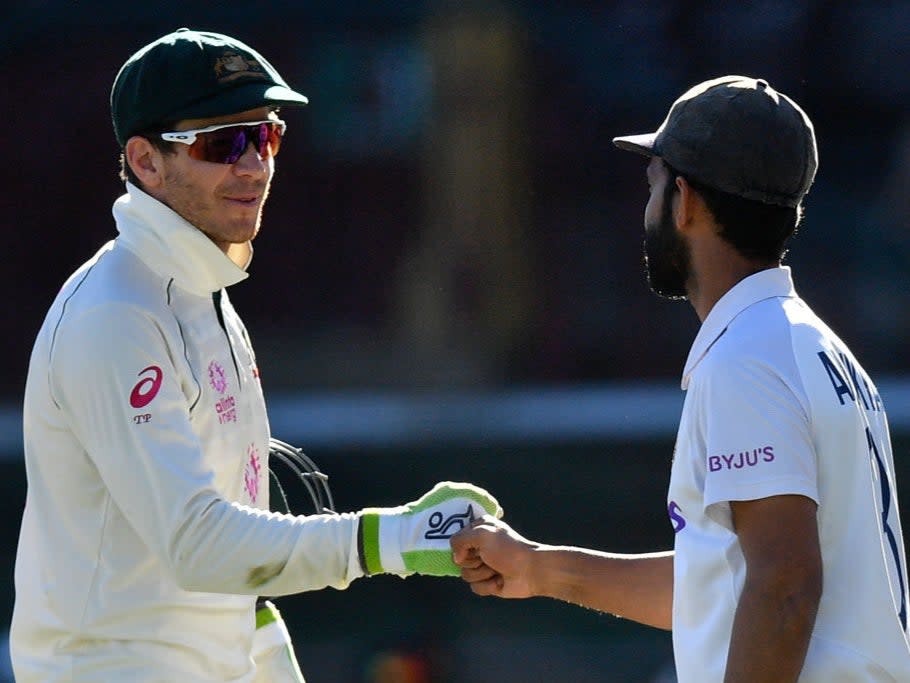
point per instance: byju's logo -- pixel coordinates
(442, 527)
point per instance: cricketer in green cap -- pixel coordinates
(146, 433)
(190, 75)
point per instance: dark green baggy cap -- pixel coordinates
(193, 74)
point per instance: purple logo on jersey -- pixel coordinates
(676, 519)
(217, 378)
(737, 461)
(251, 473)
(226, 410)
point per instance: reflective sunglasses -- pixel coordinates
(225, 143)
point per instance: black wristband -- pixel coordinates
(360, 555)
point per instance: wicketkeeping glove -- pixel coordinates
(414, 538)
(272, 648)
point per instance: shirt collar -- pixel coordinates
(173, 247)
(765, 284)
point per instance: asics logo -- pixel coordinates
(147, 388)
(445, 527)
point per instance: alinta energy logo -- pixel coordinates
(225, 407)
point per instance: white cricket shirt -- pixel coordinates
(144, 539)
(776, 404)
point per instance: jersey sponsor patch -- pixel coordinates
(738, 460)
(225, 407)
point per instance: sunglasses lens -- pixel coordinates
(227, 145)
(269, 139)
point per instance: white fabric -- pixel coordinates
(391, 521)
(273, 653)
(146, 444)
(776, 404)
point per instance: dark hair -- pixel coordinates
(154, 138)
(757, 230)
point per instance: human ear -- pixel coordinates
(686, 198)
(144, 160)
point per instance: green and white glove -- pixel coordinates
(414, 538)
(273, 651)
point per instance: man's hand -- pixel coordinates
(495, 559)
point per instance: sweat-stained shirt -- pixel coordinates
(145, 536)
(776, 404)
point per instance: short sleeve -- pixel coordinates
(757, 433)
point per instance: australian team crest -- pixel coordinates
(232, 65)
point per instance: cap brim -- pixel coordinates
(640, 144)
(242, 98)
(281, 95)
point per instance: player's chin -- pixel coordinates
(243, 229)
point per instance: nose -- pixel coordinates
(251, 164)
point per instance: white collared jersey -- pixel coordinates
(145, 536)
(776, 404)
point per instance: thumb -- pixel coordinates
(464, 544)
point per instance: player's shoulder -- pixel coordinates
(761, 332)
(113, 280)
(110, 291)
(759, 347)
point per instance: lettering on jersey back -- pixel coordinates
(848, 381)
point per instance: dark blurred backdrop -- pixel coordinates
(449, 214)
(449, 208)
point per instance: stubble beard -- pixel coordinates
(200, 210)
(666, 253)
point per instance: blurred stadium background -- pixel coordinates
(448, 283)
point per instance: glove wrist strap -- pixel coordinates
(368, 543)
(360, 555)
(266, 613)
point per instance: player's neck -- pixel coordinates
(716, 268)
